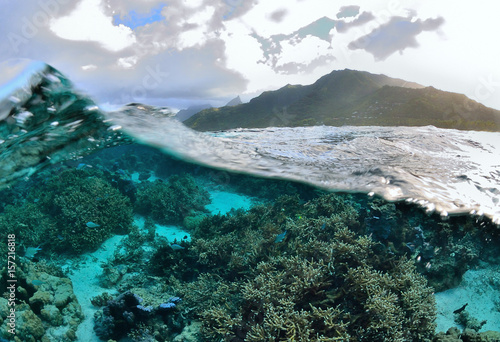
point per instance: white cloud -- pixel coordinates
(89, 23)
(89, 67)
(127, 62)
(198, 31)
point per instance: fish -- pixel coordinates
(37, 282)
(91, 224)
(176, 247)
(31, 251)
(457, 311)
(280, 237)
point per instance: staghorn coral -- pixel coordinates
(322, 282)
(395, 305)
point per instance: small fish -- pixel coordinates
(280, 237)
(91, 224)
(176, 247)
(37, 282)
(174, 299)
(31, 251)
(457, 311)
(60, 237)
(81, 166)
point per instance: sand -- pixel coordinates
(479, 288)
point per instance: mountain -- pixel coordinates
(234, 102)
(350, 97)
(185, 114)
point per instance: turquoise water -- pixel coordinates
(128, 226)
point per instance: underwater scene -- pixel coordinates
(129, 226)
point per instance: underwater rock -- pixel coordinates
(468, 335)
(190, 333)
(46, 312)
(51, 314)
(126, 315)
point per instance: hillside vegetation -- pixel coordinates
(350, 97)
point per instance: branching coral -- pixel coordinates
(73, 211)
(321, 282)
(170, 203)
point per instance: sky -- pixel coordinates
(179, 53)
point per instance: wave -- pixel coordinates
(45, 120)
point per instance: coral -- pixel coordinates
(86, 200)
(58, 212)
(48, 311)
(321, 282)
(180, 263)
(210, 291)
(468, 335)
(129, 315)
(29, 223)
(466, 320)
(172, 202)
(119, 316)
(101, 300)
(190, 333)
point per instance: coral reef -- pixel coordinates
(320, 282)
(46, 307)
(72, 211)
(172, 202)
(468, 335)
(129, 315)
(466, 320)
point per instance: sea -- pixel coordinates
(128, 225)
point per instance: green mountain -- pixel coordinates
(350, 97)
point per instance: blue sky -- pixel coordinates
(184, 52)
(134, 19)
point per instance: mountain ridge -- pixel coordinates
(351, 97)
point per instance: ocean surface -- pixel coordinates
(443, 170)
(45, 123)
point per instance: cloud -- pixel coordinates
(272, 47)
(348, 11)
(278, 15)
(156, 63)
(343, 26)
(296, 68)
(397, 35)
(88, 23)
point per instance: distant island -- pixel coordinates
(350, 97)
